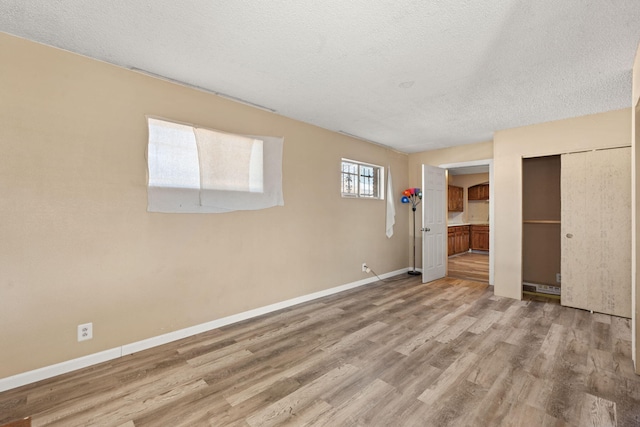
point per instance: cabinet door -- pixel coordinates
(473, 193)
(465, 238)
(483, 240)
(458, 240)
(455, 199)
(484, 192)
(478, 192)
(451, 242)
(595, 224)
(480, 237)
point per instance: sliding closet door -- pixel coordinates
(596, 231)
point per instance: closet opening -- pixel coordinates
(541, 239)
(576, 221)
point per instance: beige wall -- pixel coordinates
(611, 129)
(459, 154)
(77, 244)
(635, 118)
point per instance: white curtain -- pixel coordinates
(196, 170)
(391, 205)
(229, 162)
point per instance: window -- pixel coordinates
(362, 180)
(198, 170)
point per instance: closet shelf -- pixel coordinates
(541, 221)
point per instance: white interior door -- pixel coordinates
(596, 231)
(434, 224)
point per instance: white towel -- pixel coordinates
(391, 206)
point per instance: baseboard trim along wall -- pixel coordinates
(46, 372)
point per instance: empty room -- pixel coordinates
(376, 213)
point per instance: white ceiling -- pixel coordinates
(413, 75)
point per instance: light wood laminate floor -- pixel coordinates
(397, 353)
(469, 266)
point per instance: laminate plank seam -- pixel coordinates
(454, 373)
(493, 361)
(288, 406)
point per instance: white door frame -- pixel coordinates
(487, 162)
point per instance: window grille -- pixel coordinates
(361, 180)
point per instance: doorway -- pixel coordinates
(470, 225)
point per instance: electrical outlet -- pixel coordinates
(364, 267)
(558, 277)
(85, 331)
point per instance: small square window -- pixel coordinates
(362, 180)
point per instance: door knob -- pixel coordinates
(569, 235)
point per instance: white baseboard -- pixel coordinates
(40, 374)
(58, 369)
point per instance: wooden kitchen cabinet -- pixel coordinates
(478, 192)
(480, 237)
(458, 239)
(451, 241)
(455, 199)
(465, 243)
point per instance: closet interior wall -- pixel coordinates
(541, 220)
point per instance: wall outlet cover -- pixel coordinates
(85, 332)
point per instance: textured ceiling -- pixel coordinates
(413, 75)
